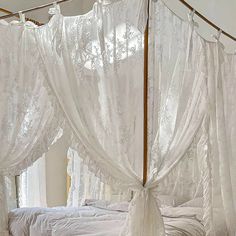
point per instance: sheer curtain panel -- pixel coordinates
(28, 120)
(95, 68)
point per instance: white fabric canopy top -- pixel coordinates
(85, 74)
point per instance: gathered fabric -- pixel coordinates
(144, 214)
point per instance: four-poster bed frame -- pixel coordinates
(145, 100)
(145, 77)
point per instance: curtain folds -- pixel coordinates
(96, 59)
(221, 68)
(88, 76)
(86, 185)
(29, 121)
(27, 116)
(100, 54)
(97, 55)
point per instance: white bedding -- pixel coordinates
(109, 225)
(183, 221)
(93, 221)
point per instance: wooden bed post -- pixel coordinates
(145, 100)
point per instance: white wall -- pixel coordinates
(56, 164)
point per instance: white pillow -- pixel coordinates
(119, 206)
(95, 203)
(168, 200)
(197, 202)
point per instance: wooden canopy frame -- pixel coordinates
(145, 99)
(27, 19)
(10, 14)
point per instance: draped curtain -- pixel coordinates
(180, 52)
(85, 184)
(221, 69)
(28, 120)
(92, 65)
(100, 55)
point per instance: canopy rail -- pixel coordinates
(27, 19)
(32, 9)
(10, 14)
(207, 20)
(5, 11)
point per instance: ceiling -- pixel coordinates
(221, 12)
(73, 7)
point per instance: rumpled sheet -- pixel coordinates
(93, 221)
(183, 221)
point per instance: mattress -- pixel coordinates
(94, 221)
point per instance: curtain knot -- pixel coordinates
(55, 9)
(144, 217)
(191, 19)
(144, 192)
(22, 17)
(217, 38)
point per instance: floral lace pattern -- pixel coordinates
(29, 120)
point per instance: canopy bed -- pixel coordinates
(89, 75)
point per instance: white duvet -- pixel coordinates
(93, 221)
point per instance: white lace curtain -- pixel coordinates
(93, 66)
(180, 52)
(28, 120)
(101, 57)
(85, 184)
